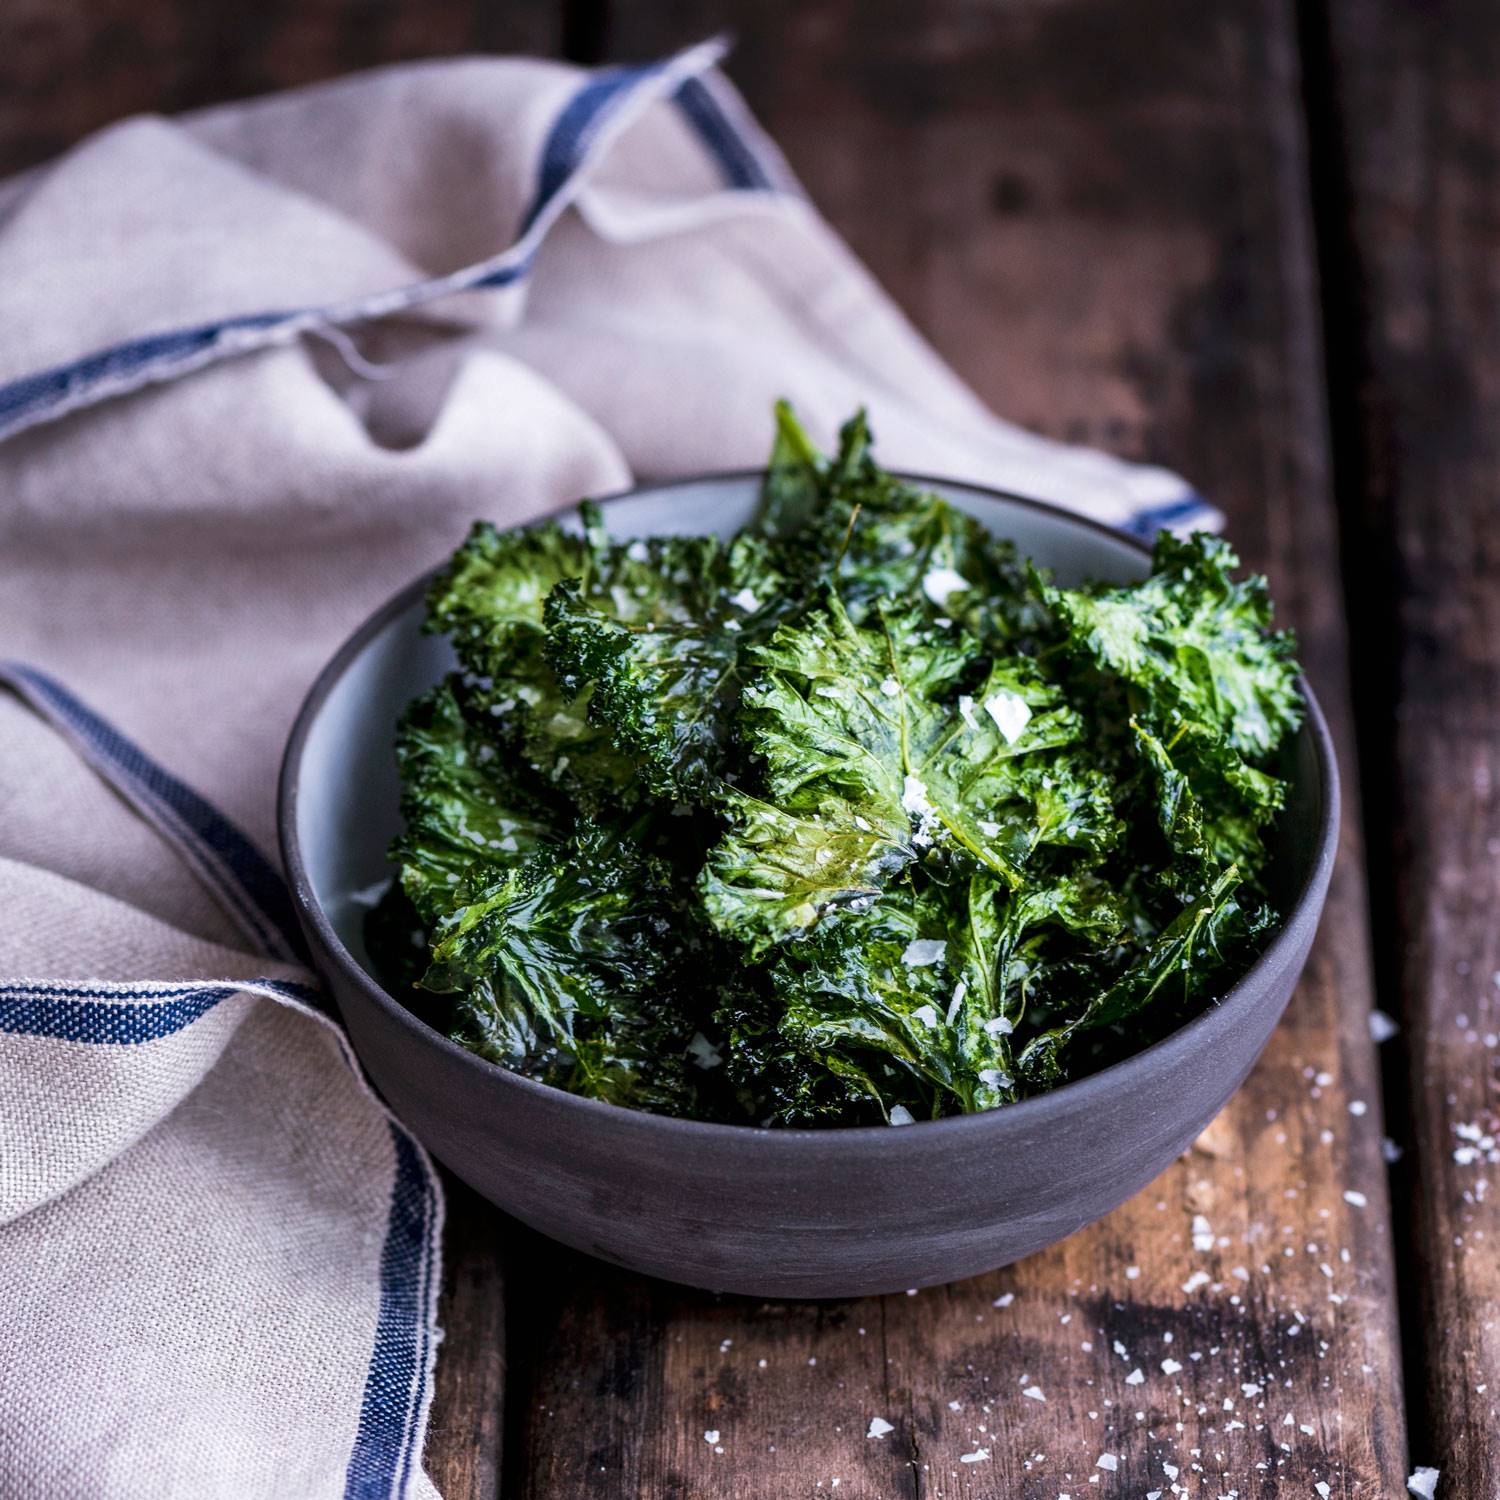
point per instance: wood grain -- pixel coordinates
(1100, 214)
(465, 1431)
(1415, 131)
(68, 67)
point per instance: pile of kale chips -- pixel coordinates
(852, 818)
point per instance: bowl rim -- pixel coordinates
(1143, 1066)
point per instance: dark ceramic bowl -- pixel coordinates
(773, 1213)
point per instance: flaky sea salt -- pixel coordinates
(940, 583)
(1423, 1482)
(922, 952)
(914, 801)
(1010, 713)
(705, 1054)
(978, 1456)
(879, 1427)
(1033, 1393)
(1108, 1462)
(1382, 1027)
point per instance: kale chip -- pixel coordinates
(853, 817)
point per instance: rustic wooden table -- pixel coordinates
(1260, 243)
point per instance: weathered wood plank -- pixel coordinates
(1415, 131)
(68, 67)
(1100, 215)
(466, 1428)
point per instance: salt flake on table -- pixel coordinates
(879, 1427)
(978, 1456)
(1197, 1279)
(1355, 1199)
(1382, 1027)
(1423, 1482)
(1136, 1377)
(712, 1435)
(1108, 1462)
(1034, 1393)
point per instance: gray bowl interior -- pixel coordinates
(347, 810)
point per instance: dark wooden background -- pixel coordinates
(1256, 240)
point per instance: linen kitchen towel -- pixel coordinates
(261, 366)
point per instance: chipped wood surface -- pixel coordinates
(1414, 110)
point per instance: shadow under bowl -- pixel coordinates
(784, 1212)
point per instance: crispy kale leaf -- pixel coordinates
(884, 539)
(1199, 939)
(567, 965)
(874, 757)
(1188, 661)
(459, 803)
(660, 656)
(490, 600)
(1191, 644)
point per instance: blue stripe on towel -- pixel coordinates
(736, 157)
(121, 1014)
(1146, 523)
(575, 127)
(50, 387)
(77, 1014)
(396, 1385)
(245, 881)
